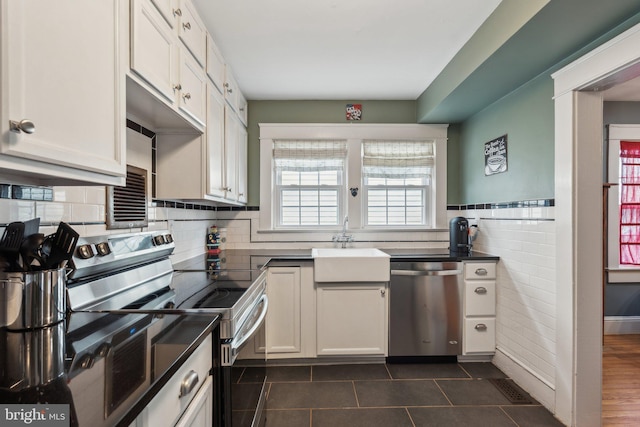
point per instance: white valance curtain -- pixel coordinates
(309, 155)
(398, 159)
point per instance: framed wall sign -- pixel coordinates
(354, 112)
(495, 156)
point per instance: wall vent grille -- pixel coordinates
(127, 206)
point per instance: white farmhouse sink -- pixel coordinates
(350, 265)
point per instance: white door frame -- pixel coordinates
(578, 197)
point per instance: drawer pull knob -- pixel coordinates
(187, 25)
(481, 271)
(177, 12)
(26, 126)
(186, 96)
(481, 290)
(481, 327)
(188, 383)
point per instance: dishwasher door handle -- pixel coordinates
(425, 272)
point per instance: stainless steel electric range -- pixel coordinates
(132, 324)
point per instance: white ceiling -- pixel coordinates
(336, 49)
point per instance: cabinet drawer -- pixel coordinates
(479, 270)
(480, 298)
(479, 335)
(167, 406)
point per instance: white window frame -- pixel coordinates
(355, 134)
(618, 273)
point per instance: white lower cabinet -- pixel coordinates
(352, 319)
(200, 410)
(173, 405)
(479, 325)
(284, 317)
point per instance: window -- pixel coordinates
(384, 177)
(397, 180)
(629, 203)
(309, 178)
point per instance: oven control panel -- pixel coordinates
(97, 254)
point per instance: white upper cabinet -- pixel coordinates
(168, 9)
(215, 144)
(193, 88)
(154, 51)
(192, 31)
(215, 64)
(168, 54)
(62, 82)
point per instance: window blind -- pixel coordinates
(397, 159)
(309, 155)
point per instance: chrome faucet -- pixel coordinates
(343, 237)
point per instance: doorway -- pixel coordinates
(578, 191)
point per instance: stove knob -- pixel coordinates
(158, 240)
(103, 248)
(168, 238)
(86, 361)
(103, 350)
(170, 305)
(85, 251)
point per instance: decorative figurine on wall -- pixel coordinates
(354, 112)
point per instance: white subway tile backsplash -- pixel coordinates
(524, 238)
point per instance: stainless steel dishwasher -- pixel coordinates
(425, 310)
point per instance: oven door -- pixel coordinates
(244, 396)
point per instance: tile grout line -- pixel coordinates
(508, 416)
(406, 409)
(443, 393)
(355, 393)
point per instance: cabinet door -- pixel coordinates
(193, 83)
(168, 10)
(352, 319)
(231, 129)
(242, 164)
(192, 31)
(215, 143)
(62, 69)
(283, 318)
(231, 89)
(215, 64)
(153, 49)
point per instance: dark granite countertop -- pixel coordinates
(255, 259)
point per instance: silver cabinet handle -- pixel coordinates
(25, 125)
(186, 96)
(481, 271)
(383, 292)
(481, 327)
(188, 383)
(480, 290)
(177, 12)
(177, 87)
(186, 26)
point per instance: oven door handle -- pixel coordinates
(243, 339)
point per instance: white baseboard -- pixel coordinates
(618, 325)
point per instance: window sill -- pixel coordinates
(623, 274)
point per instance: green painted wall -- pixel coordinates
(313, 112)
(527, 117)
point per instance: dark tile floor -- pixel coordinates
(395, 395)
